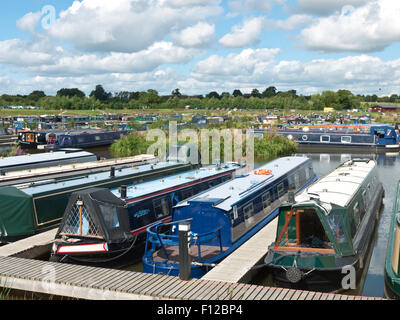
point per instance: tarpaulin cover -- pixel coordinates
(16, 212)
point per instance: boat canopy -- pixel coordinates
(96, 213)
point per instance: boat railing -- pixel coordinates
(159, 240)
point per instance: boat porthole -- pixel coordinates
(304, 138)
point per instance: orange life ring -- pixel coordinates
(262, 172)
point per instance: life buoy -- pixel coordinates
(262, 172)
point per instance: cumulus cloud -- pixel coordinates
(200, 35)
(326, 7)
(293, 22)
(128, 25)
(29, 22)
(244, 35)
(241, 6)
(369, 28)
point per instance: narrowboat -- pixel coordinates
(353, 136)
(87, 139)
(325, 234)
(41, 160)
(224, 217)
(392, 271)
(27, 209)
(101, 226)
(69, 170)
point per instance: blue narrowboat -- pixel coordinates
(226, 216)
(380, 136)
(87, 139)
(101, 226)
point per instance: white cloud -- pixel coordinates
(200, 35)
(128, 25)
(326, 7)
(245, 35)
(369, 28)
(242, 6)
(293, 22)
(29, 22)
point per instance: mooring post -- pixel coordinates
(184, 257)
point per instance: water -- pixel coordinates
(389, 173)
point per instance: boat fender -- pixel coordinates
(294, 275)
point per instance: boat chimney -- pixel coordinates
(291, 198)
(112, 172)
(123, 192)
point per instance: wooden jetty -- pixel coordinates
(237, 266)
(92, 283)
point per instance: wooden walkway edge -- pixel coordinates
(90, 283)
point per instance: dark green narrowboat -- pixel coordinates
(39, 206)
(324, 235)
(392, 263)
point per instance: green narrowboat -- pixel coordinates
(324, 235)
(39, 206)
(392, 265)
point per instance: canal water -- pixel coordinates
(372, 283)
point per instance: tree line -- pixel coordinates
(270, 98)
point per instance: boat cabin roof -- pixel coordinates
(41, 157)
(227, 195)
(149, 187)
(340, 185)
(57, 184)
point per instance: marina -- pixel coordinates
(100, 225)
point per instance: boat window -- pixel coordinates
(79, 222)
(161, 207)
(110, 216)
(297, 180)
(336, 224)
(302, 229)
(248, 212)
(356, 212)
(266, 200)
(97, 138)
(346, 139)
(281, 190)
(186, 193)
(325, 138)
(308, 174)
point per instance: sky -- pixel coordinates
(200, 46)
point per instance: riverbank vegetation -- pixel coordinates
(270, 98)
(267, 148)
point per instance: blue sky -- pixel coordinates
(200, 46)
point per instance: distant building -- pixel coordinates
(383, 108)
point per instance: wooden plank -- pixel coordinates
(310, 296)
(283, 294)
(194, 290)
(132, 281)
(206, 284)
(157, 283)
(190, 285)
(108, 280)
(171, 283)
(242, 291)
(169, 291)
(256, 291)
(248, 293)
(265, 292)
(115, 286)
(223, 288)
(303, 295)
(71, 276)
(317, 296)
(272, 294)
(90, 279)
(147, 280)
(296, 295)
(210, 290)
